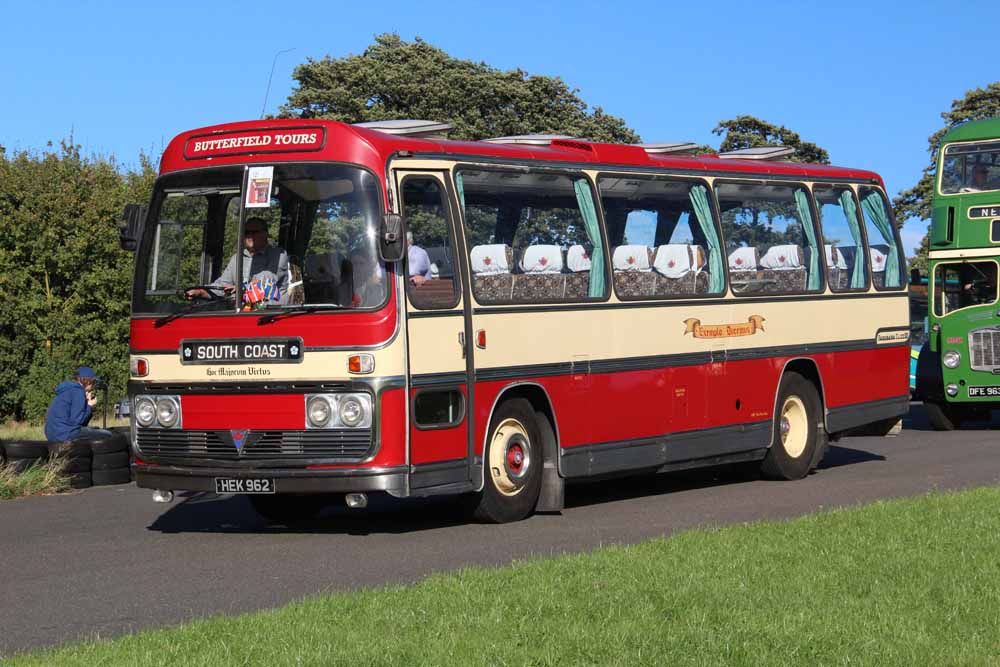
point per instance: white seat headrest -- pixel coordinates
(631, 258)
(487, 259)
(782, 257)
(878, 260)
(577, 259)
(542, 259)
(743, 259)
(674, 260)
(834, 258)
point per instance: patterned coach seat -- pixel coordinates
(541, 277)
(578, 278)
(743, 269)
(680, 270)
(879, 255)
(633, 271)
(784, 269)
(837, 274)
(491, 278)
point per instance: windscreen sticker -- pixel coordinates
(259, 187)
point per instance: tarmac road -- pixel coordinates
(108, 561)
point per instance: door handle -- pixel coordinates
(461, 342)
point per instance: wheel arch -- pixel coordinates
(540, 401)
(807, 368)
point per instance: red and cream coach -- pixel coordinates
(497, 317)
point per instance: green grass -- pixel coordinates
(43, 478)
(914, 582)
(29, 431)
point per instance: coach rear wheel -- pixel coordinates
(943, 416)
(513, 474)
(795, 439)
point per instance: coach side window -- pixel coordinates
(770, 239)
(533, 237)
(664, 241)
(431, 278)
(887, 260)
(843, 244)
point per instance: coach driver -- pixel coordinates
(258, 256)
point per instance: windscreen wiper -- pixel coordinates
(300, 310)
(197, 305)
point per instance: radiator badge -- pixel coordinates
(239, 437)
(753, 324)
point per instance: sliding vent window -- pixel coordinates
(664, 240)
(430, 256)
(771, 243)
(843, 243)
(961, 285)
(886, 258)
(533, 237)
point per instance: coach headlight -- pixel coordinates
(355, 410)
(145, 411)
(318, 411)
(168, 411)
(951, 358)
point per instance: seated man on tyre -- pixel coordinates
(71, 409)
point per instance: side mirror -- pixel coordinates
(391, 245)
(131, 225)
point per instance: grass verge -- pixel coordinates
(911, 582)
(28, 431)
(43, 478)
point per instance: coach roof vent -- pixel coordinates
(421, 129)
(759, 153)
(531, 139)
(675, 148)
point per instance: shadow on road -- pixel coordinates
(917, 420)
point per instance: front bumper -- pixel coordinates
(298, 480)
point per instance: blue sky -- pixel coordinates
(865, 80)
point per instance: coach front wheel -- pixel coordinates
(795, 432)
(513, 459)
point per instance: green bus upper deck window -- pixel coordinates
(960, 285)
(971, 167)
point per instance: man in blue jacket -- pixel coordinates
(70, 410)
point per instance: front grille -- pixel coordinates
(984, 349)
(342, 444)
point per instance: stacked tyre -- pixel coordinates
(76, 459)
(110, 463)
(22, 454)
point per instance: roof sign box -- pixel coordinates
(424, 129)
(670, 148)
(266, 140)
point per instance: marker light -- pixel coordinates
(951, 358)
(139, 367)
(361, 363)
(952, 389)
(145, 411)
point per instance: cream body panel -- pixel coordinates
(435, 344)
(963, 253)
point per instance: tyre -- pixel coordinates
(19, 465)
(76, 464)
(69, 449)
(109, 477)
(796, 430)
(112, 461)
(79, 480)
(512, 477)
(943, 417)
(287, 508)
(26, 449)
(116, 442)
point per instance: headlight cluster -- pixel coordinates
(951, 358)
(338, 411)
(158, 411)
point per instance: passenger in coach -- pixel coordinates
(418, 262)
(258, 256)
(368, 285)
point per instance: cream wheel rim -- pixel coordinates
(510, 457)
(794, 426)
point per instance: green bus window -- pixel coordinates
(886, 258)
(961, 285)
(970, 167)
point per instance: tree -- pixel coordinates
(398, 79)
(750, 132)
(978, 104)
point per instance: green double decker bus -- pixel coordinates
(958, 370)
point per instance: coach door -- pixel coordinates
(436, 335)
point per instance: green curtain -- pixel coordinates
(586, 203)
(805, 216)
(851, 213)
(874, 207)
(703, 211)
(461, 191)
